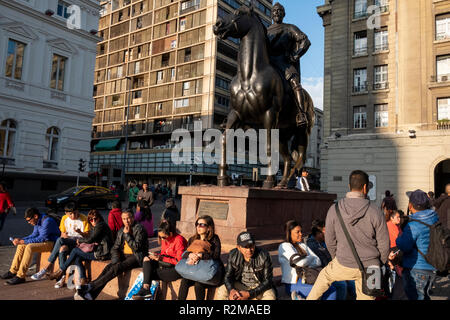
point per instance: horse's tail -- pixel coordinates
(308, 104)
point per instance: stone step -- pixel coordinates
(119, 286)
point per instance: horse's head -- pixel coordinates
(235, 25)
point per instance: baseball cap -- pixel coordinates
(245, 239)
(419, 199)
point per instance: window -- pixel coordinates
(360, 9)
(186, 88)
(381, 115)
(383, 5)
(443, 108)
(58, 70)
(359, 80)
(381, 40)
(62, 9)
(183, 24)
(172, 74)
(14, 59)
(165, 60)
(222, 83)
(359, 117)
(181, 103)
(380, 77)
(187, 54)
(360, 43)
(160, 77)
(119, 72)
(51, 145)
(443, 27)
(173, 44)
(7, 138)
(443, 68)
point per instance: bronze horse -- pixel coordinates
(261, 98)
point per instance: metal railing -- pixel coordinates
(381, 85)
(360, 88)
(440, 78)
(360, 51)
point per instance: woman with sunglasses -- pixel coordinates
(100, 237)
(161, 266)
(204, 231)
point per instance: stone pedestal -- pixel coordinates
(263, 212)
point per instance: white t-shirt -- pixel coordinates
(69, 226)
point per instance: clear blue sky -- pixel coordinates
(304, 15)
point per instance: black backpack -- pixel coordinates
(438, 254)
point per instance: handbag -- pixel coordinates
(307, 274)
(372, 278)
(86, 247)
(205, 271)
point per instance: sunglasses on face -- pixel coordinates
(201, 225)
(92, 219)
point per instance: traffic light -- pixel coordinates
(81, 165)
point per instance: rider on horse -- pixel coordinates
(287, 45)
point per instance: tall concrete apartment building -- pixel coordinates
(160, 58)
(387, 95)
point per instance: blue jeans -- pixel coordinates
(304, 289)
(2, 220)
(417, 283)
(341, 290)
(71, 243)
(77, 256)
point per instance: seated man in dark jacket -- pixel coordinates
(248, 273)
(128, 252)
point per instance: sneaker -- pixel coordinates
(7, 275)
(60, 283)
(79, 295)
(39, 275)
(15, 280)
(142, 294)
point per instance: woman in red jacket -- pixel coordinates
(161, 266)
(115, 222)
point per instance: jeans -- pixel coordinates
(152, 271)
(417, 283)
(2, 220)
(110, 272)
(304, 289)
(71, 243)
(341, 290)
(77, 256)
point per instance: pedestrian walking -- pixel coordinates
(6, 205)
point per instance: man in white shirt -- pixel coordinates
(302, 181)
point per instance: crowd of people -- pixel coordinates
(337, 260)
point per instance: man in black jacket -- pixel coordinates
(442, 205)
(249, 273)
(128, 252)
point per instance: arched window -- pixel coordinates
(51, 147)
(8, 130)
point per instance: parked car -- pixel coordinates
(85, 197)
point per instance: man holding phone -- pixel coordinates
(249, 272)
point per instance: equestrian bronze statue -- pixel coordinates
(266, 91)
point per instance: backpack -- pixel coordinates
(438, 254)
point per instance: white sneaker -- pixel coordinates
(60, 283)
(39, 275)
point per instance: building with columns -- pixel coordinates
(387, 95)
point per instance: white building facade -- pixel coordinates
(47, 59)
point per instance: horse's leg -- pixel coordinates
(222, 178)
(270, 121)
(284, 150)
(300, 143)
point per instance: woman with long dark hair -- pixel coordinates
(144, 216)
(161, 266)
(205, 232)
(95, 246)
(295, 258)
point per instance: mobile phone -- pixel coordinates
(396, 252)
(11, 239)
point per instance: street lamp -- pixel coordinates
(124, 165)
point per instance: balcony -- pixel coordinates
(381, 47)
(440, 78)
(360, 14)
(442, 36)
(362, 88)
(357, 52)
(384, 8)
(443, 125)
(381, 86)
